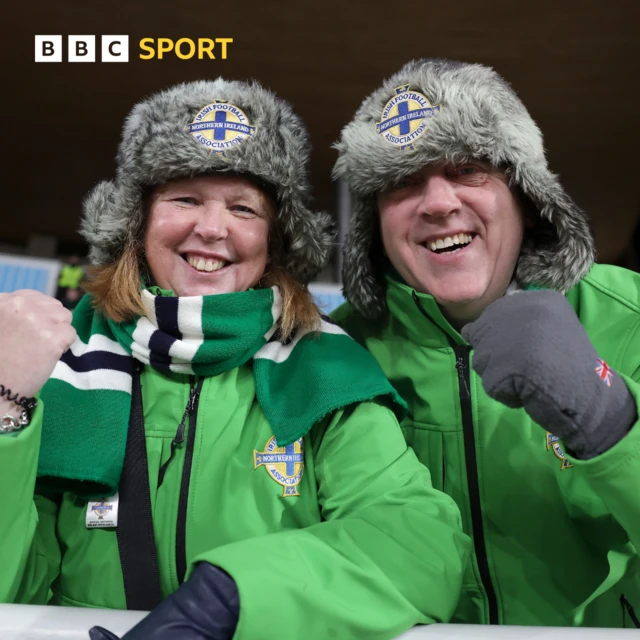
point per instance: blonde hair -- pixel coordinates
(116, 287)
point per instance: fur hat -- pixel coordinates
(205, 127)
(453, 111)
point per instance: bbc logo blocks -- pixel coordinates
(48, 48)
(82, 49)
(115, 48)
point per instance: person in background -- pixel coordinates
(71, 274)
(209, 448)
(470, 276)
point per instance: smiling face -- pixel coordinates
(454, 232)
(207, 235)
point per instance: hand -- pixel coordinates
(531, 351)
(35, 330)
(205, 607)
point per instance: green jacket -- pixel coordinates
(550, 533)
(366, 550)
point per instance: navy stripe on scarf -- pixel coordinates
(167, 316)
(97, 360)
(168, 332)
(159, 345)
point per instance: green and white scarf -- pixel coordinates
(88, 397)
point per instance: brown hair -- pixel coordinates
(116, 288)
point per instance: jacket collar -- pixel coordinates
(420, 316)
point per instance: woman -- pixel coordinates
(262, 480)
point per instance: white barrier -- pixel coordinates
(487, 632)
(29, 622)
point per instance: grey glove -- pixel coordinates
(531, 351)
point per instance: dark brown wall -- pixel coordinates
(576, 65)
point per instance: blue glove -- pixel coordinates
(531, 351)
(205, 607)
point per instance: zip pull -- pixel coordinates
(462, 367)
(178, 439)
(193, 395)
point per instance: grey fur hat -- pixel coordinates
(206, 127)
(455, 111)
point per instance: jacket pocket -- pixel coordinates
(429, 448)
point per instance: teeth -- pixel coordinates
(449, 241)
(205, 265)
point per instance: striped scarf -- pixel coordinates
(88, 397)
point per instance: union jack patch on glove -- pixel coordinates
(604, 371)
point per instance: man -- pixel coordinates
(470, 276)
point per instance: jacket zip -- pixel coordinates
(177, 441)
(464, 386)
(181, 524)
(626, 605)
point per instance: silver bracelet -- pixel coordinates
(9, 423)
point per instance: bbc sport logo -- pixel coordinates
(116, 48)
(82, 49)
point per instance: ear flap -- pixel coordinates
(107, 219)
(311, 236)
(559, 259)
(363, 280)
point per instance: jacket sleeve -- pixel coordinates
(389, 554)
(29, 551)
(614, 475)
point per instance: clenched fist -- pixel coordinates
(35, 330)
(531, 351)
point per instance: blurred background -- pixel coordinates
(575, 64)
